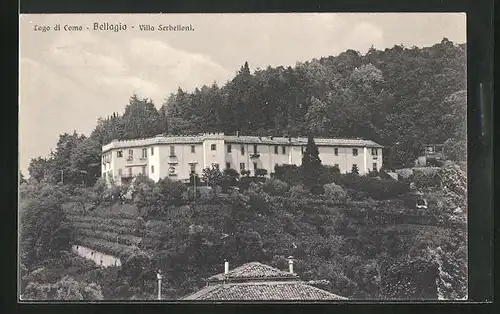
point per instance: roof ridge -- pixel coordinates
(252, 270)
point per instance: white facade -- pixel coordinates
(177, 156)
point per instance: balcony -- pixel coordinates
(255, 156)
(141, 162)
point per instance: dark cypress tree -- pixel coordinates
(311, 166)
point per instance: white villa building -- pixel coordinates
(177, 157)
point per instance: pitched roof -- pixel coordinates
(244, 139)
(253, 271)
(301, 141)
(263, 291)
(256, 281)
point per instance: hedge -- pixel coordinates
(120, 222)
(126, 239)
(376, 188)
(102, 226)
(106, 247)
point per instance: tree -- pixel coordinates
(65, 289)
(43, 228)
(170, 192)
(141, 119)
(317, 118)
(212, 176)
(38, 168)
(85, 161)
(22, 180)
(454, 125)
(311, 165)
(230, 178)
(61, 169)
(144, 193)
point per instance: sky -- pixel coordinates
(68, 79)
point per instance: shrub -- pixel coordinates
(276, 187)
(404, 174)
(354, 169)
(212, 176)
(207, 196)
(255, 188)
(170, 192)
(298, 191)
(287, 173)
(258, 200)
(453, 178)
(238, 199)
(376, 188)
(426, 177)
(329, 174)
(335, 192)
(260, 172)
(245, 173)
(230, 178)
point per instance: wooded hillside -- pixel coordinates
(401, 97)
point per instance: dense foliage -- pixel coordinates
(353, 234)
(400, 97)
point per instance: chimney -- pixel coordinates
(226, 267)
(290, 264)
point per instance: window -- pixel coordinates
(254, 166)
(374, 152)
(228, 165)
(144, 170)
(276, 149)
(130, 171)
(302, 149)
(242, 166)
(192, 149)
(193, 168)
(336, 151)
(172, 151)
(120, 172)
(255, 149)
(152, 151)
(355, 152)
(229, 148)
(130, 152)
(374, 166)
(242, 150)
(283, 150)
(152, 169)
(119, 154)
(213, 147)
(144, 152)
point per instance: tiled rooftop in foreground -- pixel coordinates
(258, 282)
